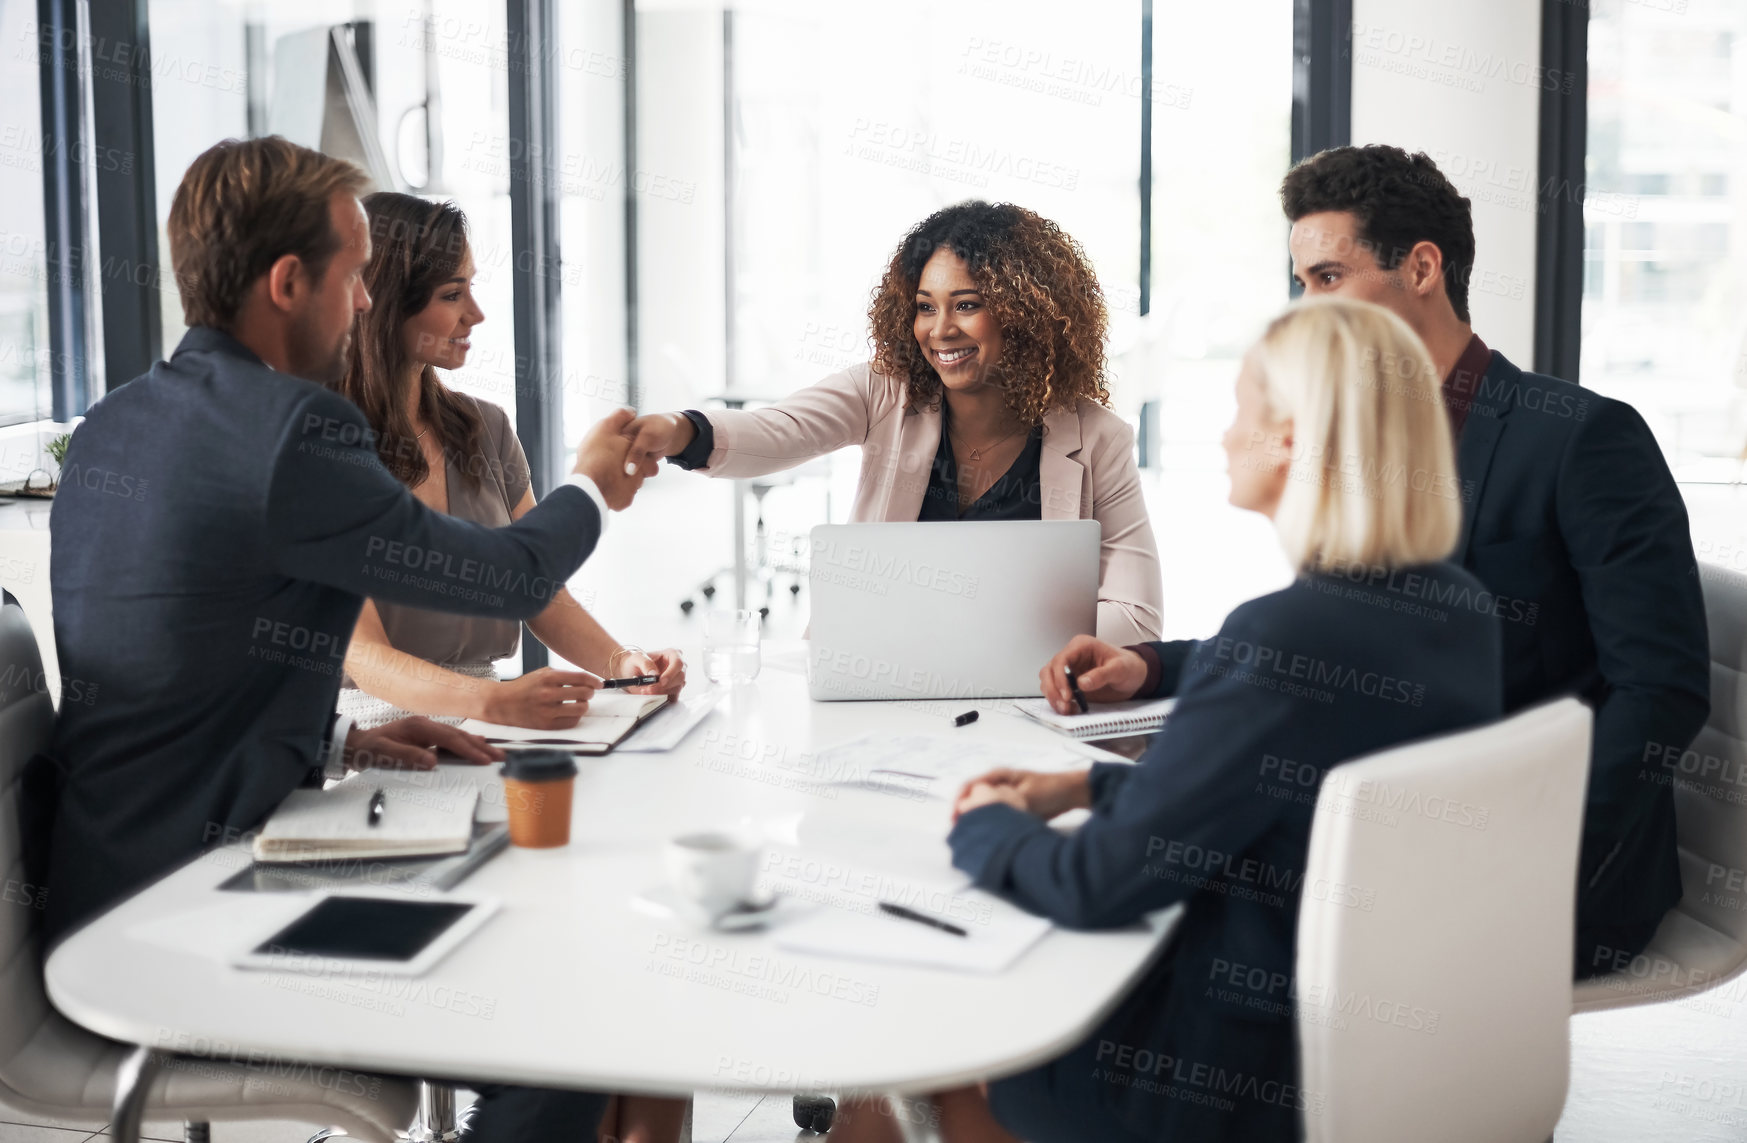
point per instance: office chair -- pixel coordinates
(51, 1066)
(1702, 942)
(1435, 935)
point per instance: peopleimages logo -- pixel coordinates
(1310, 671)
(880, 568)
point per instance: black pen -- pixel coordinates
(378, 800)
(633, 681)
(1074, 685)
(921, 919)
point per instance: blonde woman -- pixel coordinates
(1340, 438)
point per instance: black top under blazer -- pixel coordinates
(1217, 813)
(1573, 520)
(217, 528)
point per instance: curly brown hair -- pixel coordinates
(1038, 284)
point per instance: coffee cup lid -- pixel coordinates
(539, 765)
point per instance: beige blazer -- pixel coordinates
(1087, 472)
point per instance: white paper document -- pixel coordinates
(991, 934)
(667, 728)
(935, 765)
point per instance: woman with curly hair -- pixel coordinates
(985, 400)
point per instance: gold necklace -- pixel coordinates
(977, 453)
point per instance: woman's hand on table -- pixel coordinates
(543, 699)
(1034, 792)
(412, 744)
(1105, 673)
(667, 663)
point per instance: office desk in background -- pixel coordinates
(24, 571)
(570, 985)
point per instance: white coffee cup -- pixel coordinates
(713, 869)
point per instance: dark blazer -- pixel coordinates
(1218, 812)
(1574, 521)
(217, 528)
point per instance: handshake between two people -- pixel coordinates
(622, 450)
(1106, 674)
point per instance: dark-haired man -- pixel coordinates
(207, 587)
(1571, 518)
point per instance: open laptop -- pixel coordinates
(947, 610)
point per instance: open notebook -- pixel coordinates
(418, 818)
(1104, 720)
(611, 715)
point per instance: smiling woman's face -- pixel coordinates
(954, 327)
(438, 334)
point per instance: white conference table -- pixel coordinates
(570, 985)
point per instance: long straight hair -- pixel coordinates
(416, 246)
(1373, 480)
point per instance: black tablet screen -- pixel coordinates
(365, 928)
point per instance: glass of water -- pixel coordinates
(731, 646)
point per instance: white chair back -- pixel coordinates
(1702, 942)
(1435, 935)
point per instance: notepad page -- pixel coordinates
(611, 715)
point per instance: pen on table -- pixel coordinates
(632, 681)
(378, 801)
(1074, 685)
(921, 919)
(965, 719)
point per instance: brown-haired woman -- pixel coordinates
(459, 455)
(420, 279)
(985, 400)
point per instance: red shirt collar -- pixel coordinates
(1463, 383)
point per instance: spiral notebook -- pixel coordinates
(1104, 720)
(415, 818)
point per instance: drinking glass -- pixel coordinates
(731, 646)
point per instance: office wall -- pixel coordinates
(1462, 82)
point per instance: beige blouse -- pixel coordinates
(443, 637)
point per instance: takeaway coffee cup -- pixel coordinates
(537, 785)
(713, 869)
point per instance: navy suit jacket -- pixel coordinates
(217, 529)
(1217, 814)
(1574, 520)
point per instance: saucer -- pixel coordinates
(665, 901)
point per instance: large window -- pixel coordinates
(732, 179)
(1665, 292)
(783, 147)
(415, 91)
(1221, 144)
(24, 347)
(788, 145)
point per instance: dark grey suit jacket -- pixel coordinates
(218, 527)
